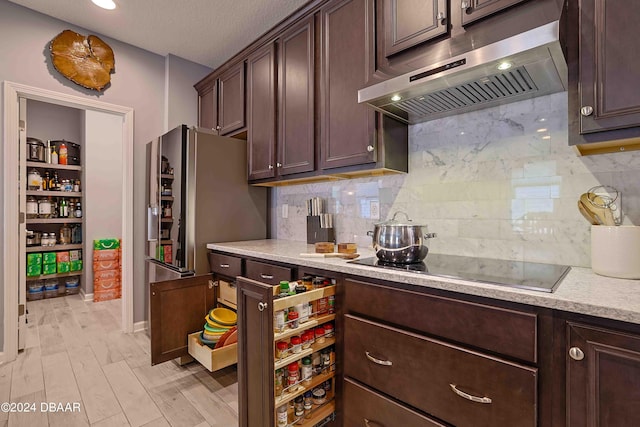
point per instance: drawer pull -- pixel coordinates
(469, 396)
(266, 276)
(368, 423)
(378, 361)
(224, 265)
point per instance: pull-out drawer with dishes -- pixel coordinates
(451, 383)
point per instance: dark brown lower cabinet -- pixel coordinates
(255, 354)
(365, 407)
(177, 309)
(456, 385)
(603, 377)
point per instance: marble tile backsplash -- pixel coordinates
(495, 183)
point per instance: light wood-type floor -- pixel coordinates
(76, 353)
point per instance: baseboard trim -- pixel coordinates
(140, 326)
(86, 297)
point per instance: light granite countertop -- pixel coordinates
(581, 291)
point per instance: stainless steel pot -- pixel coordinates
(400, 242)
(35, 150)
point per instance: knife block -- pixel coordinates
(315, 233)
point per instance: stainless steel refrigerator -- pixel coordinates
(198, 194)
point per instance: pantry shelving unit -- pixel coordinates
(46, 225)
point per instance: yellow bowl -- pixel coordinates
(216, 325)
(224, 316)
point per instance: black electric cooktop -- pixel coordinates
(515, 274)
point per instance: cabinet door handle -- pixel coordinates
(224, 265)
(465, 5)
(279, 164)
(370, 148)
(470, 397)
(266, 276)
(576, 353)
(586, 110)
(270, 167)
(442, 18)
(218, 127)
(378, 361)
(262, 306)
(212, 284)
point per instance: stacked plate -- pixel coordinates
(220, 323)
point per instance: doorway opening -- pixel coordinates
(13, 220)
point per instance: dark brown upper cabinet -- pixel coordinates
(411, 22)
(296, 89)
(261, 112)
(347, 128)
(221, 101)
(473, 10)
(603, 377)
(604, 106)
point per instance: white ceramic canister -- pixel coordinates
(615, 251)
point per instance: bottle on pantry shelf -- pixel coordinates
(63, 208)
(65, 235)
(62, 157)
(52, 239)
(76, 186)
(78, 212)
(47, 152)
(34, 180)
(54, 156)
(54, 184)
(44, 239)
(45, 181)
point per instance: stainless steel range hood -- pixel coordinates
(472, 81)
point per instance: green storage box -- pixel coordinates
(49, 258)
(34, 259)
(49, 268)
(34, 270)
(63, 267)
(101, 244)
(75, 265)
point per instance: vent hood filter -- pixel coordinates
(472, 81)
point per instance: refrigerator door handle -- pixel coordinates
(152, 224)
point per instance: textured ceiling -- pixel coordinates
(204, 31)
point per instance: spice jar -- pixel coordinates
(308, 403)
(278, 321)
(319, 396)
(279, 381)
(294, 374)
(293, 319)
(328, 330)
(306, 372)
(306, 340)
(326, 360)
(307, 282)
(44, 241)
(319, 334)
(34, 180)
(299, 406)
(332, 304)
(52, 239)
(282, 416)
(303, 312)
(296, 344)
(282, 349)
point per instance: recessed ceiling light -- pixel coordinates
(505, 65)
(105, 4)
(541, 130)
(396, 98)
(546, 137)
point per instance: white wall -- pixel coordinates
(139, 82)
(103, 184)
(54, 122)
(181, 76)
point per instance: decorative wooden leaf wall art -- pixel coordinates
(87, 61)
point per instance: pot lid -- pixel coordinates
(406, 223)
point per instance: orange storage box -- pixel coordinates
(106, 295)
(107, 274)
(106, 255)
(106, 265)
